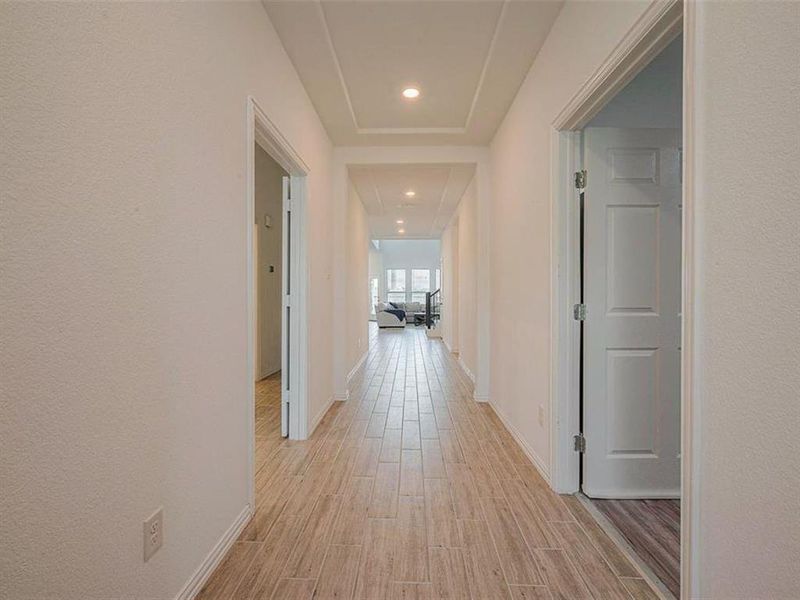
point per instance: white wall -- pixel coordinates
(123, 264)
(653, 98)
(745, 409)
(411, 254)
(450, 293)
(460, 281)
(746, 361)
(269, 202)
(369, 155)
(376, 270)
(408, 254)
(357, 305)
(468, 280)
(521, 202)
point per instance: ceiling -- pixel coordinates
(467, 58)
(438, 189)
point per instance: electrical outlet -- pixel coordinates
(153, 533)
(541, 415)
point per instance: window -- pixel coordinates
(373, 295)
(438, 279)
(396, 285)
(420, 283)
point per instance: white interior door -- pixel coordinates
(286, 308)
(632, 292)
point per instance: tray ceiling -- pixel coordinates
(467, 58)
(437, 189)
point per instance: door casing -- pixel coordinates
(660, 23)
(262, 131)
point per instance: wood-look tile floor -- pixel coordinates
(412, 490)
(653, 529)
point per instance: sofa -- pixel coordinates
(387, 315)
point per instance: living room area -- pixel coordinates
(404, 282)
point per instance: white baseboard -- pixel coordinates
(355, 369)
(481, 397)
(342, 396)
(466, 370)
(320, 414)
(529, 452)
(218, 552)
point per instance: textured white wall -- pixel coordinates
(521, 203)
(450, 292)
(357, 305)
(747, 359)
(468, 279)
(460, 279)
(124, 326)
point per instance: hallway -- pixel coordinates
(411, 490)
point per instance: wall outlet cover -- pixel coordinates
(541, 415)
(153, 529)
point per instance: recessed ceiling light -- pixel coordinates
(411, 93)
(411, 193)
(401, 231)
(399, 221)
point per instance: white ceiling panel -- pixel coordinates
(437, 189)
(468, 58)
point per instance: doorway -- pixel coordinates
(629, 315)
(276, 283)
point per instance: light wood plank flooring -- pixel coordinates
(653, 529)
(412, 490)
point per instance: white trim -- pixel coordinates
(654, 30)
(318, 417)
(691, 413)
(481, 397)
(262, 131)
(466, 370)
(565, 332)
(214, 558)
(357, 366)
(660, 23)
(529, 452)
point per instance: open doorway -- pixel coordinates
(268, 239)
(277, 274)
(629, 314)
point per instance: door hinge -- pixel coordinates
(580, 179)
(579, 312)
(580, 443)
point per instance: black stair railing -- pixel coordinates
(433, 301)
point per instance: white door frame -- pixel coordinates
(661, 22)
(262, 131)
